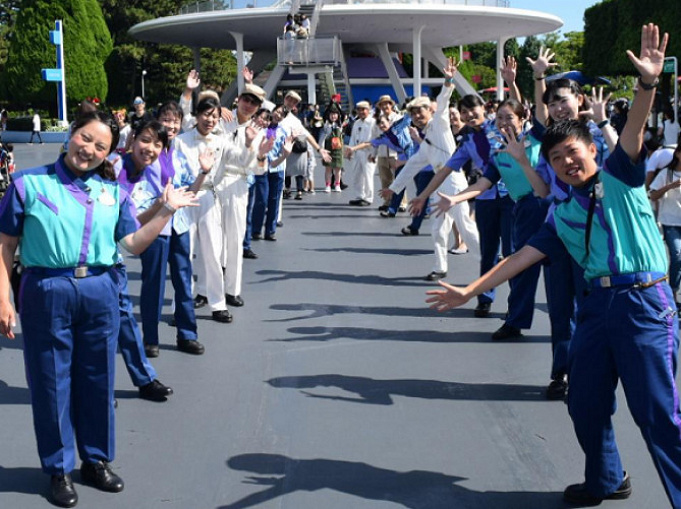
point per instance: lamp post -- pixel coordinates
(144, 73)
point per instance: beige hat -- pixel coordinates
(419, 102)
(255, 91)
(385, 99)
(363, 104)
(209, 93)
(294, 95)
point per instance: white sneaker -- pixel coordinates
(336, 189)
(312, 191)
(327, 189)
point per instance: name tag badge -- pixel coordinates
(105, 198)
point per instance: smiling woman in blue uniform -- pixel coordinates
(68, 218)
(626, 328)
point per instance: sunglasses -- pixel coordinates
(251, 99)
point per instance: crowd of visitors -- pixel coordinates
(559, 187)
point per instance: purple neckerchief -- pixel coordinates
(165, 158)
(482, 144)
(128, 176)
(79, 189)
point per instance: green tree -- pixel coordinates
(166, 65)
(86, 41)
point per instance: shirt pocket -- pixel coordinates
(45, 201)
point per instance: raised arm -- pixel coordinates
(649, 64)
(539, 67)
(599, 115)
(509, 71)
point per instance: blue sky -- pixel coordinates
(572, 12)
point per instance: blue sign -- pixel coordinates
(55, 37)
(52, 74)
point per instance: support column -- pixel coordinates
(197, 59)
(500, 59)
(382, 51)
(311, 88)
(416, 45)
(240, 63)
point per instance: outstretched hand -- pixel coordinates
(179, 197)
(445, 203)
(512, 146)
(450, 69)
(650, 61)
(447, 298)
(416, 206)
(207, 159)
(599, 102)
(509, 70)
(543, 62)
(193, 80)
(247, 74)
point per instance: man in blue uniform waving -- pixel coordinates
(627, 327)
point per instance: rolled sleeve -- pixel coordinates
(12, 210)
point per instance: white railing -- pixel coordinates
(312, 51)
(222, 5)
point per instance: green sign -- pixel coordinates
(668, 65)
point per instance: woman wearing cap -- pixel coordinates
(331, 139)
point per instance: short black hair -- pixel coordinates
(470, 101)
(553, 86)
(156, 128)
(561, 131)
(170, 107)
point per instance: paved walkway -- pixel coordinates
(334, 388)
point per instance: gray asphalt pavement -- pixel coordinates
(334, 388)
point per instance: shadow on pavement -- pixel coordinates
(416, 489)
(282, 275)
(426, 336)
(380, 392)
(14, 395)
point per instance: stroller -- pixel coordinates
(6, 165)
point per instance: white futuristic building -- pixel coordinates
(352, 45)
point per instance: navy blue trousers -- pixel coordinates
(494, 219)
(70, 329)
(173, 250)
(421, 179)
(528, 216)
(249, 217)
(268, 188)
(628, 334)
(130, 338)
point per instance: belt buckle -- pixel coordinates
(80, 272)
(604, 281)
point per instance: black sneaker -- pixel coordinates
(408, 231)
(200, 301)
(190, 346)
(482, 310)
(155, 391)
(62, 492)
(576, 494)
(435, 276)
(557, 389)
(506, 332)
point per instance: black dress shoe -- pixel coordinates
(577, 494)
(223, 316)
(234, 301)
(408, 231)
(356, 203)
(387, 214)
(271, 237)
(506, 332)
(250, 254)
(364, 203)
(557, 389)
(256, 236)
(101, 477)
(383, 208)
(402, 209)
(151, 351)
(200, 301)
(62, 492)
(190, 346)
(280, 224)
(435, 276)
(155, 391)
(343, 185)
(482, 310)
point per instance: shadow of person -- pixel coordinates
(416, 489)
(282, 275)
(381, 392)
(31, 481)
(320, 310)
(14, 395)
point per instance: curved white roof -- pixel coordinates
(445, 25)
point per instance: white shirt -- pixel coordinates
(437, 146)
(659, 159)
(669, 212)
(36, 122)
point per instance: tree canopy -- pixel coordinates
(87, 44)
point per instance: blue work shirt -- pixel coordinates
(279, 135)
(63, 220)
(475, 146)
(624, 236)
(560, 190)
(503, 165)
